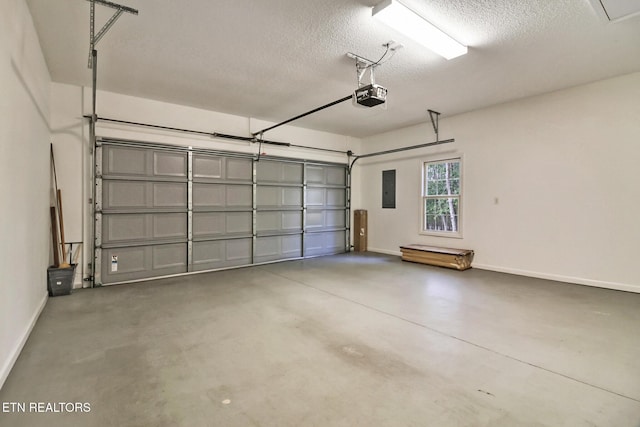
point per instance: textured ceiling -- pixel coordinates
(274, 59)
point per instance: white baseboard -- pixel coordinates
(538, 275)
(385, 251)
(8, 365)
(560, 278)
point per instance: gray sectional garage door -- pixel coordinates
(326, 201)
(222, 209)
(164, 210)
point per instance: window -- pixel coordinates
(441, 190)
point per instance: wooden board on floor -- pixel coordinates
(458, 259)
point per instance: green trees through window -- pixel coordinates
(441, 196)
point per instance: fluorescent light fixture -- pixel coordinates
(402, 19)
(616, 10)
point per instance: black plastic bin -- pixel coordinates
(60, 280)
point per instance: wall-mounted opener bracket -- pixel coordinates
(435, 117)
(95, 38)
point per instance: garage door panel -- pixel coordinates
(208, 167)
(336, 176)
(239, 169)
(240, 196)
(327, 243)
(280, 210)
(169, 257)
(315, 174)
(326, 210)
(291, 197)
(325, 175)
(128, 228)
(279, 197)
(125, 161)
(169, 226)
(168, 164)
(126, 195)
(215, 224)
(326, 197)
(335, 242)
(267, 196)
(275, 248)
(222, 196)
(335, 219)
(278, 221)
(319, 219)
(315, 197)
(220, 168)
(144, 163)
(208, 195)
(125, 261)
(125, 228)
(267, 171)
(267, 248)
(266, 221)
(335, 197)
(238, 222)
(140, 195)
(207, 224)
(221, 253)
(292, 173)
(291, 246)
(142, 262)
(239, 251)
(208, 252)
(279, 172)
(315, 219)
(291, 221)
(169, 195)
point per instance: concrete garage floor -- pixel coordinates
(349, 340)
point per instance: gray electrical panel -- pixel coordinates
(389, 189)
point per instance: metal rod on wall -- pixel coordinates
(216, 134)
(348, 210)
(195, 132)
(94, 80)
(92, 137)
(397, 150)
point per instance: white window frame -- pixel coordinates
(424, 197)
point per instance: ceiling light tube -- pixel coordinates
(406, 21)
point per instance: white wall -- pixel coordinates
(70, 134)
(551, 185)
(24, 180)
